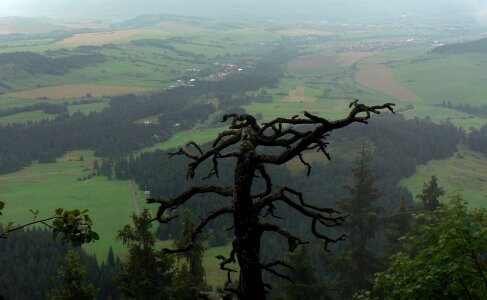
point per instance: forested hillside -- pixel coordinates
(479, 46)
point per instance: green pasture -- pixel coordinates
(442, 114)
(38, 115)
(87, 108)
(324, 108)
(200, 136)
(465, 172)
(32, 48)
(437, 78)
(214, 276)
(7, 102)
(49, 186)
(24, 117)
(397, 55)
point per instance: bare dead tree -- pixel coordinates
(293, 136)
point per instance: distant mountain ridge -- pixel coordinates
(459, 48)
(317, 9)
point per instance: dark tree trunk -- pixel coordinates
(247, 231)
(283, 133)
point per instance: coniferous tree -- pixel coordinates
(96, 166)
(358, 263)
(302, 283)
(147, 273)
(111, 257)
(431, 194)
(106, 281)
(397, 226)
(190, 279)
(72, 277)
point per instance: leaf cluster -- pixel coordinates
(73, 226)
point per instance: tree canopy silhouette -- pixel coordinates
(254, 147)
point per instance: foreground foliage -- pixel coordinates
(146, 273)
(70, 226)
(73, 282)
(443, 258)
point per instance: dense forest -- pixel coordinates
(35, 64)
(37, 277)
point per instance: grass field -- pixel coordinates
(303, 31)
(49, 186)
(465, 172)
(214, 276)
(437, 78)
(75, 91)
(200, 136)
(38, 115)
(7, 102)
(381, 78)
(101, 38)
(87, 108)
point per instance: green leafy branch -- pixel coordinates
(70, 226)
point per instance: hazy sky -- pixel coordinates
(475, 9)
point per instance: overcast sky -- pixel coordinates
(474, 9)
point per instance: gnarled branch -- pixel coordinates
(223, 265)
(292, 241)
(197, 231)
(269, 268)
(174, 203)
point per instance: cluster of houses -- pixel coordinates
(192, 75)
(225, 70)
(363, 46)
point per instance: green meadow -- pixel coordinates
(436, 78)
(464, 172)
(49, 186)
(214, 276)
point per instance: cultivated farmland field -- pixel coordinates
(101, 38)
(381, 78)
(75, 91)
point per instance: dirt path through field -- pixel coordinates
(39, 175)
(297, 95)
(100, 38)
(76, 91)
(381, 78)
(133, 193)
